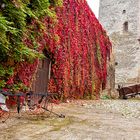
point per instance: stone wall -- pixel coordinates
(121, 19)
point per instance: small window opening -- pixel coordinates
(125, 26)
(124, 11)
(116, 63)
(139, 40)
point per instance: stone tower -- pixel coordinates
(121, 19)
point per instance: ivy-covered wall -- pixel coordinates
(80, 68)
(21, 25)
(77, 45)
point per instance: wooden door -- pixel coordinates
(40, 83)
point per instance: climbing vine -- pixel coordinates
(80, 69)
(78, 47)
(20, 21)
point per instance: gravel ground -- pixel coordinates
(85, 120)
(128, 108)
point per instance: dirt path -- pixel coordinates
(85, 120)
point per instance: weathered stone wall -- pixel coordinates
(112, 15)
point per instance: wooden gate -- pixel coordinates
(40, 82)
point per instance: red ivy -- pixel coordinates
(80, 54)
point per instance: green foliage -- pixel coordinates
(6, 71)
(2, 83)
(16, 18)
(105, 97)
(18, 87)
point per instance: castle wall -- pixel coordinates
(138, 20)
(114, 16)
